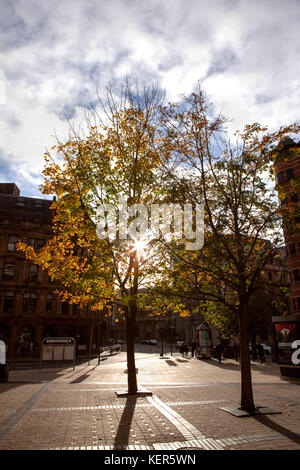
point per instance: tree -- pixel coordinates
(95, 175)
(234, 182)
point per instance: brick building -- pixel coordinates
(29, 308)
(287, 166)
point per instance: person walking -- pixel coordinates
(182, 349)
(194, 347)
(219, 350)
(236, 351)
(261, 353)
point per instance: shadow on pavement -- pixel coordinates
(123, 432)
(182, 360)
(268, 368)
(171, 363)
(278, 428)
(80, 379)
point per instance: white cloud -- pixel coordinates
(54, 54)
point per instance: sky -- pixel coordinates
(55, 54)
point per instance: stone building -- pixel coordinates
(287, 166)
(29, 308)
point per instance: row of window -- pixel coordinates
(35, 243)
(21, 220)
(289, 175)
(30, 304)
(279, 276)
(9, 272)
(22, 202)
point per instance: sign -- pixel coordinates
(285, 334)
(58, 349)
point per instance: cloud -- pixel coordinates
(54, 55)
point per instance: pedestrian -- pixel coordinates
(186, 350)
(236, 351)
(261, 353)
(254, 348)
(194, 347)
(219, 350)
(182, 349)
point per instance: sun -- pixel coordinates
(140, 245)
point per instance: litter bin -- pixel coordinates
(4, 372)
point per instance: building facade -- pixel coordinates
(287, 166)
(30, 310)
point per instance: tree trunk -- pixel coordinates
(247, 403)
(132, 380)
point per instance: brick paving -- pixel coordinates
(66, 409)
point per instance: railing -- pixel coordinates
(105, 351)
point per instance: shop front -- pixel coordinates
(286, 332)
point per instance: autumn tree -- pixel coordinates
(104, 176)
(233, 179)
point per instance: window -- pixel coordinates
(294, 197)
(9, 271)
(33, 272)
(292, 248)
(282, 277)
(75, 309)
(20, 203)
(35, 243)
(8, 302)
(29, 302)
(280, 177)
(290, 173)
(36, 221)
(49, 304)
(12, 241)
(65, 308)
(296, 275)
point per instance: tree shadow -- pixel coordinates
(223, 365)
(171, 363)
(123, 432)
(80, 379)
(278, 428)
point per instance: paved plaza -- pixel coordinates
(78, 409)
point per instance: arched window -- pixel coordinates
(29, 303)
(9, 271)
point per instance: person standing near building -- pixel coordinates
(194, 347)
